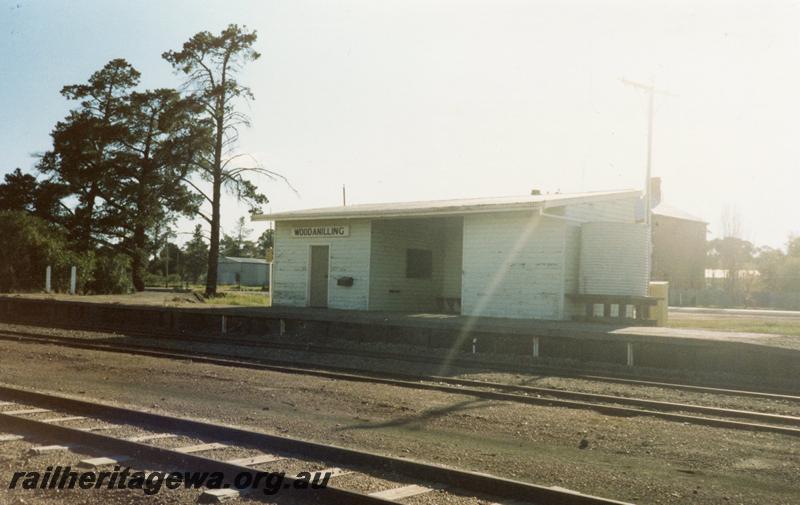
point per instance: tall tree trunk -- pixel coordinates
(139, 258)
(216, 197)
(213, 246)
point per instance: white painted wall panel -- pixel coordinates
(349, 257)
(513, 266)
(390, 289)
(572, 268)
(622, 210)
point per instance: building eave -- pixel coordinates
(446, 207)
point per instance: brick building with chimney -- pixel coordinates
(679, 248)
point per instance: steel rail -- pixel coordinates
(173, 459)
(478, 483)
(436, 384)
(463, 363)
(572, 373)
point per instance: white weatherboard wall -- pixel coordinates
(349, 257)
(619, 210)
(513, 266)
(615, 259)
(572, 267)
(390, 289)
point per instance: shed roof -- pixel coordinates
(234, 259)
(448, 207)
(667, 210)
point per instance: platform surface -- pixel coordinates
(469, 324)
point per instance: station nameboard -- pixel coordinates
(321, 231)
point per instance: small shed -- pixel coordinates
(243, 271)
(520, 257)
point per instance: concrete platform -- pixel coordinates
(465, 324)
(754, 354)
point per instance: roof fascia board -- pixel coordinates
(528, 207)
(486, 209)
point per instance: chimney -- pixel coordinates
(655, 191)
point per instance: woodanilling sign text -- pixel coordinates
(321, 231)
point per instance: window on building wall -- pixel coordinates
(419, 263)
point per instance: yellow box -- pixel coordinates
(659, 312)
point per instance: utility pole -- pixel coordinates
(344, 196)
(651, 91)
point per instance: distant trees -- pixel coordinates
(756, 276)
(195, 256)
(265, 244)
(779, 271)
(239, 244)
(733, 255)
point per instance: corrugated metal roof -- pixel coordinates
(664, 209)
(445, 207)
(233, 259)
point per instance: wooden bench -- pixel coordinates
(641, 306)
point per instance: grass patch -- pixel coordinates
(740, 324)
(241, 298)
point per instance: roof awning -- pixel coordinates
(448, 207)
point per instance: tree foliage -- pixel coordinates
(124, 156)
(23, 192)
(162, 137)
(125, 163)
(212, 64)
(82, 156)
(195, 256)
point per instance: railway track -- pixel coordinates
(308, 347)
(606, 404)
(106, 433)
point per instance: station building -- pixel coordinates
(517, 257)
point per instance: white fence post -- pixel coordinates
(73, 280)
(48, 286)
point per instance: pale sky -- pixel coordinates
(429, 99)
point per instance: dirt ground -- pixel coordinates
(640, 459)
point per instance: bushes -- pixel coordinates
(111, 274)
(28, 246)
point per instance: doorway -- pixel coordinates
(318, 276)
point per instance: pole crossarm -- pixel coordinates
(651, 91)
(650, 88)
